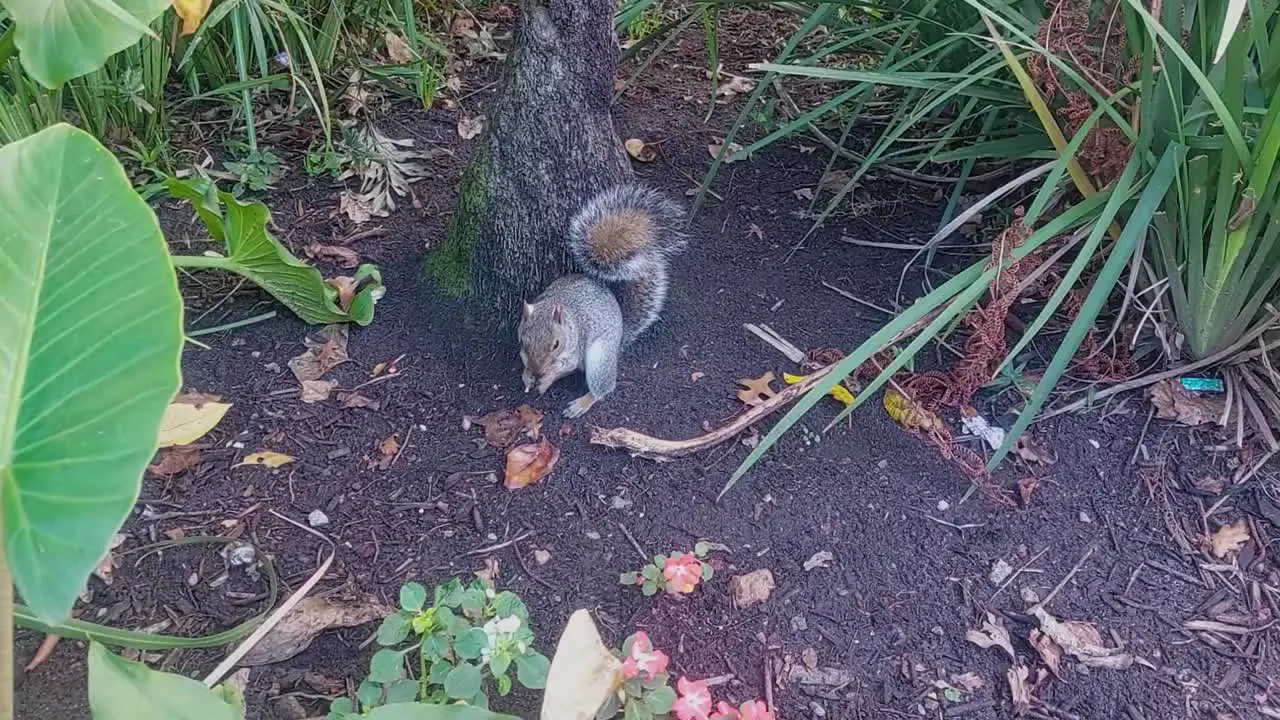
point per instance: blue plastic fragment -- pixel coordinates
(1203, 384)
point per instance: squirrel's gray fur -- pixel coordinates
(622, 240)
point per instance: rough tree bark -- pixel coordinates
(549, 145)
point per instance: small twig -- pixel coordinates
(408, 434)
(1016, 573)
(527, 571)
(768, 682)
(499, 546)
(1136, 448)
(639, 550)
(953, 525)
(1075, 569)
(779, 343)
(845, 293)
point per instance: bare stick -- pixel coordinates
(639, 550)
(1052, 593)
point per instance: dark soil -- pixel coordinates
(912, 549)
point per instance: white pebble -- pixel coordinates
(317, 518)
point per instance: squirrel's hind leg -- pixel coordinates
(601, 368)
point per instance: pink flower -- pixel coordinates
(725, 711)
(682, 573)
(694, 702)
(755, 710)
(643, 658)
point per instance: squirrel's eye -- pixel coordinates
(555, 345)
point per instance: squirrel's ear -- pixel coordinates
(557, 314)
(527, 312)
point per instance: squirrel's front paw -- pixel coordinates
(579, 407)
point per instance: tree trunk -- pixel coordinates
(549, 145)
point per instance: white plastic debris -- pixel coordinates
(990, 434)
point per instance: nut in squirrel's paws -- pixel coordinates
(579, 407)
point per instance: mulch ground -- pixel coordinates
(912, 550)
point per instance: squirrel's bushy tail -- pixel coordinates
(626, 236)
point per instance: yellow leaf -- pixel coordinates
(838, 391)
(583, 673)
(266, 458)
(908, 413)
(1229, 538)
(191, 12)
(184, 424)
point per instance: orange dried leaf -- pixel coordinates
(502, 427)
(756, 391)
(175, 460)
(527, 464)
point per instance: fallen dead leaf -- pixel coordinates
(1174, 402)
(356, 400)
(970, 682)
(185, 422)
(833, 181)
(992, 634)
(1049, 651)
(388, 448)
(304, 623)
(756, 391)
(397, 49)
(266, 458)
(324, 352)
(470, 126)
(809, 657)
(1019, 688)
(639, 150)
(109, 562)
(756, 231)
(820, 559)
(341, 256)
(1032, 451)
(803, 193)
(908, 413)
(1082, 641)
(503, 427)
(751, 589)
(542, 557)
(358, 208)
(314, 391)
(716, 147)
(737, 85)
(1228, 538)
(583, 673)
(1026, 486)
(173, 461)
(527, 464)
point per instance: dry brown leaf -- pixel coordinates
(397, 49)
(358, 208)
(470, 126)
(637, 149)
(173, 461)
(992, 634)
(756, 230)
(489, 573)
(1228, 539)
(716, 147)
(311, 617)
(1032, 451)
(341, 256)
(1019, 688)
(266, 458)
(356, 400)
(756, 391)
(388, 448)
(833, 181)
(314, 391)
(820, 559)
(737, 85)
(1082, 641)
(1026, 486)
(970, 682)
(809, 657)
(324, 352)
(583, 673)
(1174, 402)
(1050, 652)
(752, 588)
(503, 427)
(527, 464)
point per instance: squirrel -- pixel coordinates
(622, 240)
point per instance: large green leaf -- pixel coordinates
(62, 39)
(120, 689)
(422, 711)
(254, 253)
(90, 335)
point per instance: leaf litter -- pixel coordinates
(1082, 641)
(756, 392)
(529, 463)
(189, 417)
(305, 623)
(504, 427)
(325, 351)
(385, 168)
(992, 634)
(1228, 539)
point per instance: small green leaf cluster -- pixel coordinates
(652, 577)
(466, 636)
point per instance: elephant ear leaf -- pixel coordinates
(90, 336)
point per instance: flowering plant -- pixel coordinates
(678, 573)
(465, 636)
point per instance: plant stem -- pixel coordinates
(7, 48)
(6, 638)
(201, 261)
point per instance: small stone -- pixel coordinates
(943, 506)
(810, 658)
(882, 464)
(1029, 596)
(541, 556)
(799, 624)
(593, 535)
(317, 518)
(752, 588)
(817, 710)
(1085, 518)
(240, 553)
(617, 502)
(1000, 572)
